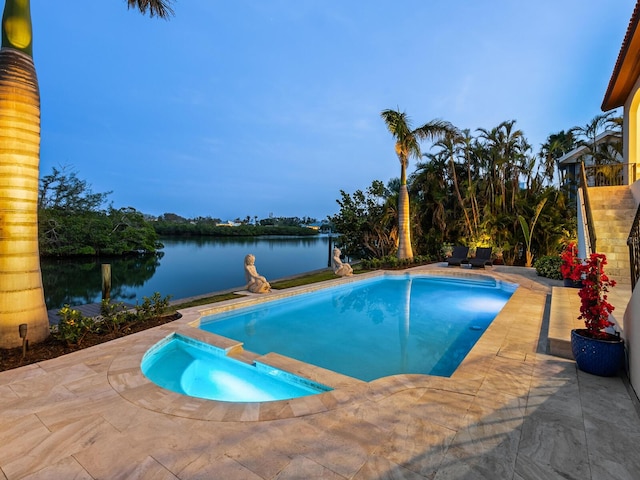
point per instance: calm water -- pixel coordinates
(373, 328)
(188, 267)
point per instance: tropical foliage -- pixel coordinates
(367, 222)
(486, 188)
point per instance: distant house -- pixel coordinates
(228, 223)
(606, 143)
(322, 227)
(318, 226)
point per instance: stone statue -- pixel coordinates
(339, 268)
(255, 283)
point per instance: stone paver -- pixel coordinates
(509, 412)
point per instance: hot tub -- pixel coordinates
(191, 367)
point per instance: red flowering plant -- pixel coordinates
(594, 307)
(571, 264)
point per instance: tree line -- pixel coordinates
(173, 224)
(476, 189)
(75, 221)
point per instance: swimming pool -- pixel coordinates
(184, 365)
(373, 328)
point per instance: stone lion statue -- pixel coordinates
(255, 283)
(339, 268)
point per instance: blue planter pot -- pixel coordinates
(603, 357)
(567, 282)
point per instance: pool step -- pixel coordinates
(563, 317)
(564, 312)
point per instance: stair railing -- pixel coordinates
(587, 207)
(634, 249)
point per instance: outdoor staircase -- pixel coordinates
(613, 210)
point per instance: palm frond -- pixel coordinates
(435, 129)
(160, 8)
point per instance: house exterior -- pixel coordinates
(624, 91)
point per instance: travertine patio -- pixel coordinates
(509, 412)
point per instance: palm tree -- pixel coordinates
(407, 146)
(450, 146)
(555, 147)
(21, 293)
(505, 152)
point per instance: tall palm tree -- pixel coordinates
(554, 148)
(450, 146)
(407, 146)
(505, 149)
(21, 293)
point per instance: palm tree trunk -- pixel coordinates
(472, 232)
(21, 292)
(404, 225)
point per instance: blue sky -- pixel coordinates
(259, 107)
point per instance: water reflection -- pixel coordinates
(79, 281)
(222, 242)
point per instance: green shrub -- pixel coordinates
(114, 316)
(152, 307)
(549, 267)
(73, 326)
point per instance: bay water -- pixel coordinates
(185, 268)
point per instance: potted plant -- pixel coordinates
(571, 266)
(596, 351)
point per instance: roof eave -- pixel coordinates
(627, 68)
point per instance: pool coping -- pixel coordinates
(126, 377)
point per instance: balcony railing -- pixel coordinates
(609, 175)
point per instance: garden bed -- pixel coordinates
(53, 347)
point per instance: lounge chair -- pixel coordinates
(482, 258)
(458, 256)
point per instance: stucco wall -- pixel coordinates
(631, 153)
(631, 335)
(632, 321)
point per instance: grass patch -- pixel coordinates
(203, 301)
(305, 279)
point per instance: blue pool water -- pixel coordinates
(373, 328)
(190, 367)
